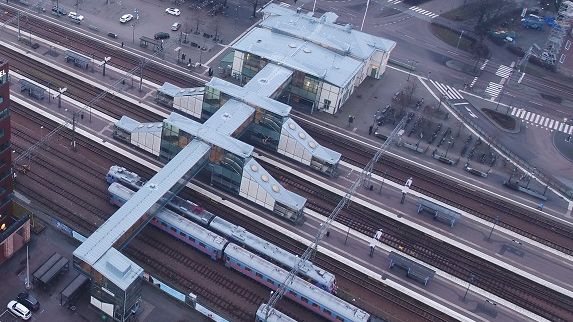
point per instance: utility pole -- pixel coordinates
(495, 222)
(472, 277)
(459, 39)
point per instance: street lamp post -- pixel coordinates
(459, 39)
(495, 222)
(472, 277)
(412, 62)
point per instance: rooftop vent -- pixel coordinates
(276, 188)
(254, 168)
(312, 144)
(265, 178)
(226, 115)
(263, 80)
(258, 40)
(302, 135)
(307, 50)
(292, 126)
(291, 45)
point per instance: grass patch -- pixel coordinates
(462, 13)
(505, 121)
(451, 38)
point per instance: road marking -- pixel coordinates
(561, 127)
(484, 63)
(493, 90)
(562, 58)
(450, 92)
(527, 116)
(555, 126)
(551, 124)
(521, 78)
(471, 113)
(537, 118)
(504, 71)
(568, 45)
(546, 121)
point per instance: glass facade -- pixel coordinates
(252, 64)
(304, 86)
(226, 169)
(173, 140)
(265, 131)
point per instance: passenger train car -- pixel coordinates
(298, 290)
(246, 262)
(275, 254)
(274, 315)
(189, 232)
(240, 235)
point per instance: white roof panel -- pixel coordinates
(300, 54)
(272, 186)
(229, 117)
(309, 144)
(118, 269)
(324, 32)
(268, 80)
(175, 91)
(251, 98)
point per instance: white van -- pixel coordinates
(176, 26)
(75, 17)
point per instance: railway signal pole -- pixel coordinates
(364, 175)
(472, 277)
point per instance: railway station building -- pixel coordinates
(14, 225)
(327, 60)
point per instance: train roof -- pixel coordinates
(274, 316)
(125, 176)
(270, 250)
(192, 210)
(120, 190)
(325, 299)
(192, 229)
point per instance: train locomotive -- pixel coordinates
(244, 261)
(273, 316)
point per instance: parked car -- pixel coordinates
(75, 16)
(173, 11)
(29, 301)
(161, 35)
(126, 18)
(176, 26)
(59, 11)
(19, 310)
(112, 35)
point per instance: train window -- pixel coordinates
(327, 311)
(259, 275)
(163, 224)
(314, 304)
(182, 234)
(270, 281)
(339, 318)
(304, 299)
(193, 240)
(248, 269)
(201, 244)
(173, 229)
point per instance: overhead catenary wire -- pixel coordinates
(363, 179)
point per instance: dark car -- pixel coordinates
(112, 35)
(161, 35)
(59, 11)
(29, 301)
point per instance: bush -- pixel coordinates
(537, 61)
(480, 50)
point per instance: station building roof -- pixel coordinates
(229, 117)
(251, 98)
(300, 54)
(175, 91)
(130, 125)
(210, 134)
(323, 31)
(98, 244)
(118, 269)
(268, 80)
(305, 140)
(272, 186)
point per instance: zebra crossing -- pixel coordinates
(415, 9)
(423, 12)
(504, 71)
(493, 89)
(543, 121)
(449, 92)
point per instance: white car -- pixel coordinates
(75, 16)
(126, 18)
(173, 11)
(19, 310)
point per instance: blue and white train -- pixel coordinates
(298, 290)
(273, 316)
(275, 254)
(238, 234)
(247, 263)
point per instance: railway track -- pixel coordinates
(85, 217)
(96, 48)
(549, 232)
(542, 229)
(490, 277)
(79, 91)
